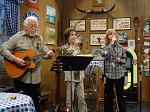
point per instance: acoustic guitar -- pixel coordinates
(13, 70)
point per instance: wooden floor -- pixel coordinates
(130, 107)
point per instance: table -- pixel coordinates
(15, 102)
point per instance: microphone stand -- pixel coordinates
(104, 78)
(71, 89)
(140, 78)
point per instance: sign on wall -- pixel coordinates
(122, 23)
(27, 14)
(78, 24)
(98, 24)
(97, 39)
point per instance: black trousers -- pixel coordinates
(32, 90)
(109, 94)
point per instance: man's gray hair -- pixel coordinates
(30, 18)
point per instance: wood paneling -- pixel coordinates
(65, 11)
(48, 83)
(123, 8)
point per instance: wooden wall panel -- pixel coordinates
(124, 8)
(48, 83)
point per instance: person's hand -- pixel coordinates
(20, 61)
(50, 53)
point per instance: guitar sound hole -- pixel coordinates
(27, 60)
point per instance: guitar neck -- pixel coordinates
(35, 57)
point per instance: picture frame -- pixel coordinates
(122, 37)
(78, 24)
(50, 36)
(2, 19)
(50, 14)
(122, 23)
(30, 13)
(97, 39)
(98, 24)
(146, 30)
(2, 26)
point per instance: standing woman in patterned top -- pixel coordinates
(115, 56)
(72, 48)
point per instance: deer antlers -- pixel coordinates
(92, 11)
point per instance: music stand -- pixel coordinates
(70, 63)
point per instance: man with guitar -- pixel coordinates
(22, 54)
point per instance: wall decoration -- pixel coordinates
(97, 39)
(146, 27)
(2, 12)
(98, 24)
(146, 56)
(2, 26)
(80, 39)
(146, 42)
(27, 14)
(51, 41)
(50, 36)
(146, 61)
(50, 31)
(122, 23)
(131, 44)
(2, 33)
(78, 24)
(50, 14)
(32, 3)
(2, 19)
(123, 37)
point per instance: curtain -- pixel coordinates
(12, 8)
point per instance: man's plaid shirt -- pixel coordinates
(113, 69)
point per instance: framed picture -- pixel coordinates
(50, 14)
(2, 26)
(2, 12)
(50, 36)
(98, 24)
(97, 39)
(2, 19)
(123, 37)
(131, 44)
(78, 24)
(146, 27)
(29, 13)
(122, 23)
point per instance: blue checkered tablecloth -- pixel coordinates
(22, 103)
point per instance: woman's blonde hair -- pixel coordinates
(109, 32)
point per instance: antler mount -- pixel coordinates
(94, 11)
